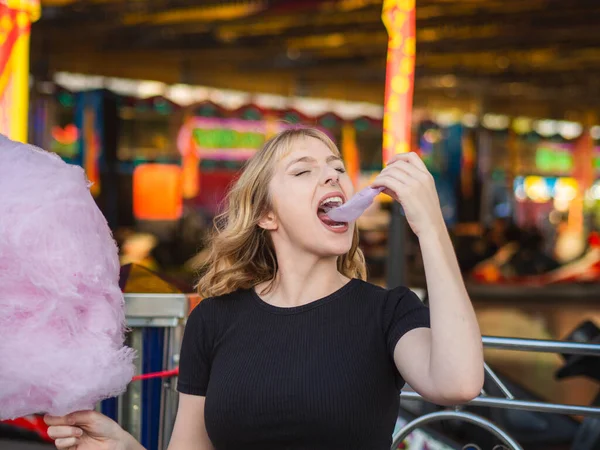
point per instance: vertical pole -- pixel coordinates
(399, 19)
(583, 173)
(513, 166)
(16, 17)
(484, 163)
(396, 261)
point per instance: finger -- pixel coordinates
(64, 444)
(56, 420)
(411, 157)
(410, 168)
(81, 418)
(417, 161)
(425, 179)
(385, 177)
(397, 157)
(405, 172)
(397, 187)
(57, 432)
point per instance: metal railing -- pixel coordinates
(168, 310)
(509, 401)
(541, 346)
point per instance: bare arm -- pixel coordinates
(444, 363)
(189, 432)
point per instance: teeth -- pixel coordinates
(330, 200)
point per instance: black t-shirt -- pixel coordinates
(316, 376)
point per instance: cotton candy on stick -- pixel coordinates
(356, 206)
(61, 309)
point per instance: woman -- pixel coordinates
(291, 348)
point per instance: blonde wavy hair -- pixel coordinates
(241, 253)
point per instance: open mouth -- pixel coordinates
(327, 205)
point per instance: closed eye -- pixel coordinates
(301, 173)
(341, 170)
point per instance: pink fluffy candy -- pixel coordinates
(61, 309)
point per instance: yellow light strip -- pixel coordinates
(201, 14)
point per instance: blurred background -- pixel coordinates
(162, 102)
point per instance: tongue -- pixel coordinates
(322, 215)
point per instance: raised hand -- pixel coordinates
(407, 180)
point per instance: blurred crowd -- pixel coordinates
(502, 252)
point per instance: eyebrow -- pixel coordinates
(312, 160)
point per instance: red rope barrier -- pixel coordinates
(35, 423)
(163, 374)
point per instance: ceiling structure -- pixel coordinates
(535, 57)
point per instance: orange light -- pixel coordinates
(16, 17)
(350, 152)
(191, 175)
(399, 18)
(92, 151)
(157, 192)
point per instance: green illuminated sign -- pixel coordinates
(549, 159)
(222, 138)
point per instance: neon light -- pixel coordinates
(543, 189)
(67, 135)
(15, 23)
(550, 158)
(399, 19)
(157, 192)
(64, 141)
(226, 139)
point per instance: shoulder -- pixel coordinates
(393, 304)
(369, 289)
(384, 295)
(402, 292)
(403, 299)
(397, 310)
(385, 302)
(219, 308)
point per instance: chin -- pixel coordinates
(324, 242)
(337, 243)
(333, 249)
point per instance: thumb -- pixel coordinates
(82, 418)
(52, 421)
(75, 418)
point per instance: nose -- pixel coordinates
(331, 176)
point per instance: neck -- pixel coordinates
(302, 279)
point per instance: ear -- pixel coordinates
(268, 222)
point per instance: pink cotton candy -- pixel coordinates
(61, 309)
(353, 209)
